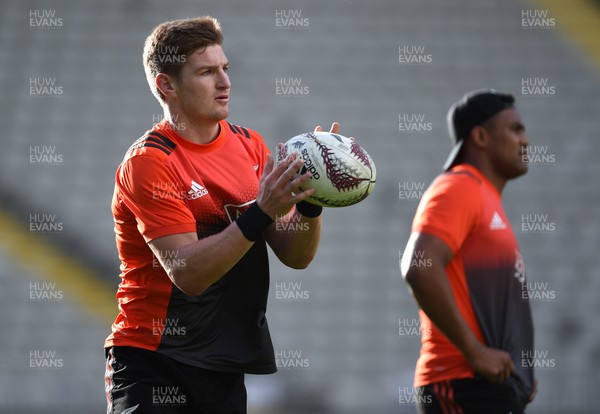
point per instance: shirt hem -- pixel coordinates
(169, 230)
(232, 368)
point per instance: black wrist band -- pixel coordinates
(253, 222)
(309, 210)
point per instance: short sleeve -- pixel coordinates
(450, 209)
(155, 196)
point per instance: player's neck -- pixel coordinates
(498, 182)
(195, 132)
(488, 171)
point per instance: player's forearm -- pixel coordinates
(433, 293)
(295, 239)
(205, 261)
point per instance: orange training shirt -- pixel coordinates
(167, 185)
(486, 274)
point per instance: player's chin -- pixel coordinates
(221, 114)
(521, 168)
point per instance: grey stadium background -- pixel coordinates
(74, 97)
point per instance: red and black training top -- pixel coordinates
(167, 185)
(486, 274)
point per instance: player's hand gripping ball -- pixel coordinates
(343, 173)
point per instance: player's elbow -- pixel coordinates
(187, 284)
(297, 259)
(413, 276)
(409, 278)
(299, 262)
(192, 291)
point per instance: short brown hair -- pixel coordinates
(170, 43)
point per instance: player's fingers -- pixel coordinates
(507, 371)
(295, 184)
(318, 128)
(282, 167)
(511, 366)
(290, 171)
(493, 375)
(493, 378)
(501, 376)
(508, 367)
(268, 168)
(302, 195)
(335, 128)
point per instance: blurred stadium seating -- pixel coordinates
(347, 53)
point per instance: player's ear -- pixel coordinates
(479, 137)
(165, 84)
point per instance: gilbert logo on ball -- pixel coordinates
(343, 173)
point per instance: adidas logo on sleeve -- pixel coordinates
(497, 223)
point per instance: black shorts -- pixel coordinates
(139, 381)
(468, 396)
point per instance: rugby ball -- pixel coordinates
(343, 173)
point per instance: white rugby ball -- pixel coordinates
(343, 173)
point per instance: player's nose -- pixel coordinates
(524, 141)
(223, 81)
